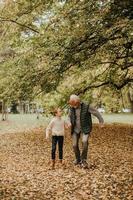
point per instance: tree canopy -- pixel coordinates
(65, 47)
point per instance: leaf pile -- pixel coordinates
(25, 163)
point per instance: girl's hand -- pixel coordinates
(68, 125)
(47, 137)
(101, 125)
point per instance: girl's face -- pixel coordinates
(59, 112)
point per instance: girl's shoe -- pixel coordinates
(62, 164)
(60, 161)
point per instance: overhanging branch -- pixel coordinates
(15, 22)
(107, 83)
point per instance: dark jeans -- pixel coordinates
(60, 141)
(83, 155)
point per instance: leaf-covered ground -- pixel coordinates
(25, 162)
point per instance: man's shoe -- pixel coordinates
(84, 164)
(77, 162)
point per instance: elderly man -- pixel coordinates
(81, 124)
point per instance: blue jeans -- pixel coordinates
(80, 156)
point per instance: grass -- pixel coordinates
(19, 122)
(118, 118)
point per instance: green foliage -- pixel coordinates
(64, 47)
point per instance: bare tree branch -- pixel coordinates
(15, 22)
(107, 83)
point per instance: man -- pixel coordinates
(81, 124)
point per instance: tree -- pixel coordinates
(54, 41)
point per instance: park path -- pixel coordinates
(25, 161)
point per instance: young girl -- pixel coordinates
(57, 126)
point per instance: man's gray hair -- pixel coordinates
(74, 97)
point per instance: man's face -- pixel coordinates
(74, 103)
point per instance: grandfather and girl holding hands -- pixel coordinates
(80, 123)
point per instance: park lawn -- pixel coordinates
(25, 162)
(124, 118)
(19, 122)
(120, 118)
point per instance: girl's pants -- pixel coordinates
(59, 140)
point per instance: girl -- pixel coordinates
(57, 126)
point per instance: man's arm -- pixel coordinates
(96, 113)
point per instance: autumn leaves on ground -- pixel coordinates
(25, 161)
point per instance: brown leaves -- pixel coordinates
(25, 161)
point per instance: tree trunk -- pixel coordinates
(130, 100)
(4, 111)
